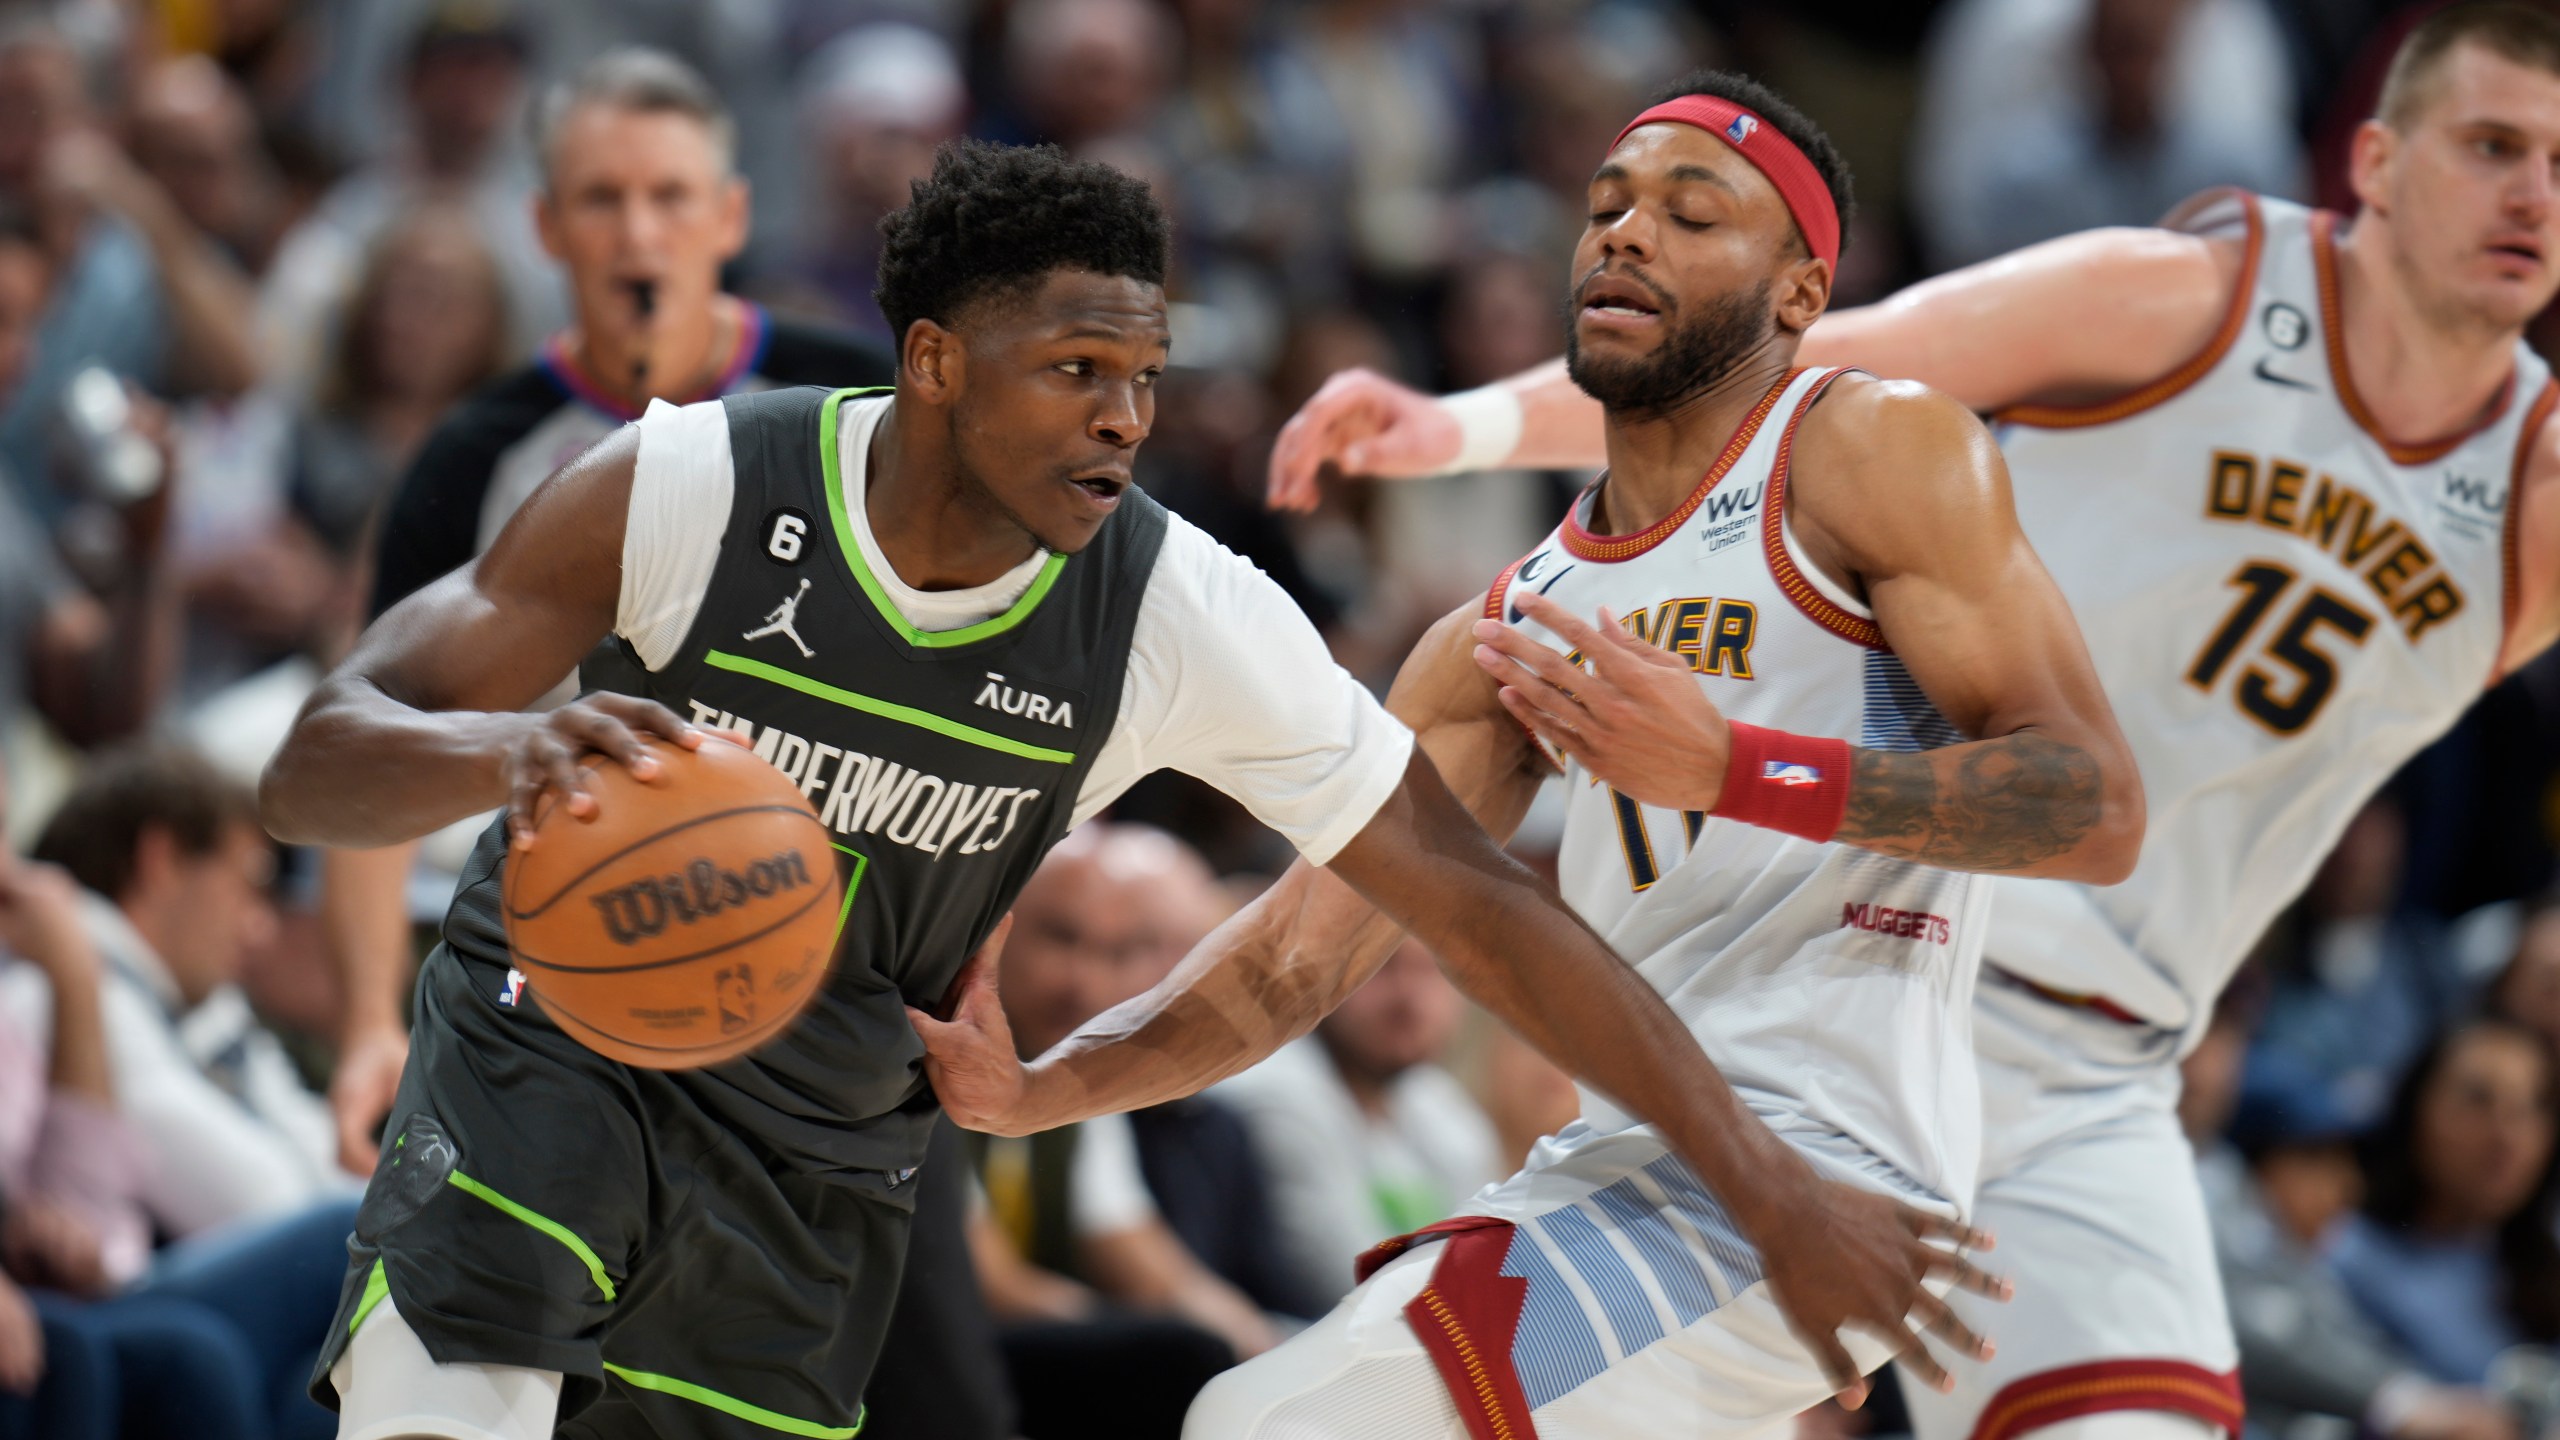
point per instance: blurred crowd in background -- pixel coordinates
(252, 252)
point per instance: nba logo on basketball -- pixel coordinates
(735, 988)
(1741, 128)
(1790, 773)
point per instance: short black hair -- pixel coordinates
(1791, 122)
(996, 219)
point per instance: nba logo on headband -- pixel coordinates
(1806, 193)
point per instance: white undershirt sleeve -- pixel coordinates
(1230, 683)
(681, 489)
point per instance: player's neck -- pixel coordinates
(1657, 457)
(2422, 376)
(934, 528)
(673, 357)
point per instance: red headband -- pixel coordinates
(1799, 184)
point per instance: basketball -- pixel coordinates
(687, 920)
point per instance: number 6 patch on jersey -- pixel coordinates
(786, 535)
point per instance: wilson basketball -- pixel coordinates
(687, 920)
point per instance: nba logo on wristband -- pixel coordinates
(1795, 784)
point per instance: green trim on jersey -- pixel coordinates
(886, 710)
(832, 464)
(729, 1405)
(852, 883)
(377, 1284)
(543, 1223)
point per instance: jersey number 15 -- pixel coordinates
(2283, 704)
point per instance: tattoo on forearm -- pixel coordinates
(2007, 804)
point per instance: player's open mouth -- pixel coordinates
(1615, 298)
(2524, 250)
(1105, 490)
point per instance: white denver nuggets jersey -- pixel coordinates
(1831, 985)
(2283, 605)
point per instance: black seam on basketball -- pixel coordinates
(558, 1012)
(642, 843)
(818, 893)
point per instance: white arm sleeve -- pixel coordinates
(1229, 682)
(681, 488)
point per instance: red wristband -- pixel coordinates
(1798, 784)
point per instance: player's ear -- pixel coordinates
(929, 362)
(2369, 157)
(1803, 293)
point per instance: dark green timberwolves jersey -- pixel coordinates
(944, 764)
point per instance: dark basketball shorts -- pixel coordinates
(541, 1206)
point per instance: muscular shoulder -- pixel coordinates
(1878, 465)
(1867, 440)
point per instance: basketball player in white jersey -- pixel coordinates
(1905, 692)
(2296, 476)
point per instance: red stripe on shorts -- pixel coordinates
(2052, 1396)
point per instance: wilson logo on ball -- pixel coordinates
(643, 909)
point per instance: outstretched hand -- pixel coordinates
(1851, 1258)
(970, 1057)
(1361, 423)
(1636, 718)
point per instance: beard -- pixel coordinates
(1694, 354)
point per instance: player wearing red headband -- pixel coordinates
(2297, 477)
(1886, 691)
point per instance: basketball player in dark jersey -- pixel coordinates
(1000, 634)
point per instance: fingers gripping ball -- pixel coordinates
(686, 919)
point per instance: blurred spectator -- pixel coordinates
(1364, 1135)
(2528, 990)
(2360, 984)
(190, 129)
(2455, 1253)
(463, 85)
(876, 102)
(1196, 1154)
(2276, 1190)
(1079, 72)
(2042, 117)
(217, 1336)
(93, 665)
(425, 327)
(1073, 1201)
(177, 870)
(137, 288)
(1373, 100)
(268, 557)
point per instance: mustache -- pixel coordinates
(1661, 297)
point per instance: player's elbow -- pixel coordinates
(280, 798)
(2107, 854)
(291, 804)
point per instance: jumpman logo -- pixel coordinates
(779, 621)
